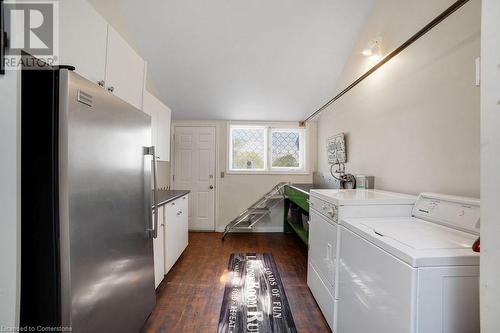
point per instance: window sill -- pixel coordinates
(274, 173)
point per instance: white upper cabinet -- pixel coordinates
(160, 119)
(125, 70)
(82, 39)
(98, 52)
(149, 106)
(163, 134)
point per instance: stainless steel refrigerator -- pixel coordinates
(86, 225)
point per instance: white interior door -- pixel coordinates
(194, 170)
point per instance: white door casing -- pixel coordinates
(490, 165)
(194, 170)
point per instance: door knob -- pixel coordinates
(211, 187)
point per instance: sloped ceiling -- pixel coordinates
(242, 60)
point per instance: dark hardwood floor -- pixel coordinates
(189, 298)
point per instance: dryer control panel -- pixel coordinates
(330, 211)
(460, 213)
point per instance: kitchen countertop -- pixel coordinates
(166, 196)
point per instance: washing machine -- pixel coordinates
(327, 208)
(411, 275)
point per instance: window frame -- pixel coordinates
(303, 169)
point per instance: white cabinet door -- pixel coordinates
(125, 70)
(160, 123)
(150, 107)
(82, 39)
(170, 230)
(183, 223)
(158, 248)
(176, 231)
(163, 133)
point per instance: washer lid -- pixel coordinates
(417, 242)
(420, 235)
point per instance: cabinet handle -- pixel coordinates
(111, 89)
(328, 252)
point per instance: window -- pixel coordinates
(248, 148)
(266, 149)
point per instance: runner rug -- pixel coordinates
(254, 297)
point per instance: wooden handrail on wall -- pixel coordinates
(440, 18)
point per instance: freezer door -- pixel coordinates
(105, 207)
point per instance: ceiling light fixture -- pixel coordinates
(373, 49)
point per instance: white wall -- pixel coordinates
(414, 124)
(9, 199)
(236, 192)
(490, 167)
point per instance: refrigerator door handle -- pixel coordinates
(154, 229)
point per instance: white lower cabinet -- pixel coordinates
(176, 230)
(172, 237)
(158, 248)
